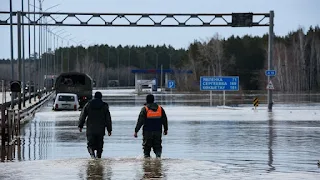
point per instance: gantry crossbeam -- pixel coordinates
(137, 19)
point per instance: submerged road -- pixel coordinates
(202, 143)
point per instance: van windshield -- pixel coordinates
(66, 98)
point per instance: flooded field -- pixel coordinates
(129, 97)
(202, 143)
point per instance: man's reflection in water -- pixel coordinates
(95, 170)
(152, 168)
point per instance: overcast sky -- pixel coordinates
(289, 15)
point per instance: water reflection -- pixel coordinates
(35, 140)
(237, 137)
(270, 142)
(95, 170)
(152, 168)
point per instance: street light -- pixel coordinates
(51, 7)
(56, 36)
(78, 43)
(155, 53)
(62, 51)
(41, 39)
(129, 48)
(157, 56)
(11, 45)
(69, 54)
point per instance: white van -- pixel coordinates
(66, 101)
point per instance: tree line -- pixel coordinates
(296, 59)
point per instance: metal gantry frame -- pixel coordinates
(133, 19)
(139, 20)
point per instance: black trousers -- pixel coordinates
(95, 142)
(152, 139)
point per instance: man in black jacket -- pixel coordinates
(152, 117)
(98, 119)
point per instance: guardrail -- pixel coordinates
(16, 100)
(116, 87)
(11, 121)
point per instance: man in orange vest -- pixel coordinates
(152, 117)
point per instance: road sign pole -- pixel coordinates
(161, 78)
(224, 98)
(171, 84)
(171, 96)
(210, 98)
(270, 54)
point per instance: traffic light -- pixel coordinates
(15, 86)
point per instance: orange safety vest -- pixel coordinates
(154, 114)
(153, 120)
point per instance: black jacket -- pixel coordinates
(98, 119)
(143, 117)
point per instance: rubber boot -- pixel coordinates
(158, 154)
(91, 152)
(99, 154)
(146, 153)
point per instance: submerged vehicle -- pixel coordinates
(66, 101)
(80, 84)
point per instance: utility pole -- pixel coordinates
(78, 54)
(19, 54)
(23, 61)
(29, 52)
(34, 53)
(68, 70)
(161, 77)
(129, 66)
(11, 45)
(46, 54)
(61, 59)
(40, 51)
(108, 64)
(54, 50)
(118, 54)
(270, 57)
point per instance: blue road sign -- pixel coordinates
(219, 83)
(171, 84)
(270, 72)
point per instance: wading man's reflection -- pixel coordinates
(95, 170)
(152, 168)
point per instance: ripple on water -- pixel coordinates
(136, 168)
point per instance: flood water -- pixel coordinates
(202, 143)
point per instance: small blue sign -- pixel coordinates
(219, 83)
(171, 84)
(270, 72)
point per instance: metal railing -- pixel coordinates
(11, 121)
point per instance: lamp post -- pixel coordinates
(11, 47)
(41, 43)
(69, 54)
(34, 54)
(79, 43)
(55, 44)
(62, 58)
(157, 57)
(129, 48)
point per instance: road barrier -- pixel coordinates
(11, 121)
